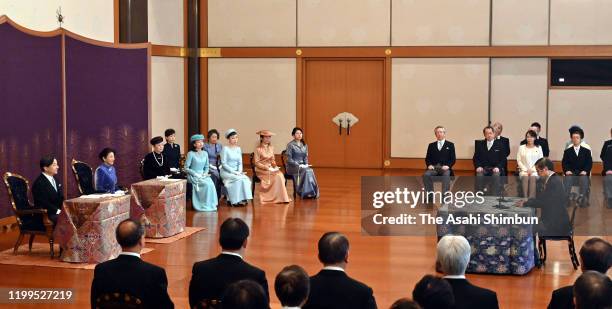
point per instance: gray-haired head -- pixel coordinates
(453, 254)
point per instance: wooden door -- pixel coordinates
(335, 86)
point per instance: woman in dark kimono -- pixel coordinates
(297, 165)
(213, 148)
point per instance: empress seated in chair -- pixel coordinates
(84, 177)
(31, 220)
(118, 301)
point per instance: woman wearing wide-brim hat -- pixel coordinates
(273, 188)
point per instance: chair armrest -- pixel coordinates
(34, 211)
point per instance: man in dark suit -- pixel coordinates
(488, 160)
(539, 141)
(129, 274)
(577, 163)
(210, 278)
(596, 255)
(244, 294)
(332, 287)
(453, 258)
(505, 142)
(440, 159)
(292, 286)
(606, 159)
(593, 290)
(172, 151)
(155, 163)
(552, 200)
(47, 192)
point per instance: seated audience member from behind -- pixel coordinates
(593, 290)
(332, 287)
(210, 278)
(292, 286)
(595, 255)
(453, 258)
(245, 294)
(128, 273)
(432, 292)
(405, 303)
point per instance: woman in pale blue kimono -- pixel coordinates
(213, 148)
(237, 184)
(297, 166)
(204, 195)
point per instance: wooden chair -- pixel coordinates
(288, 176)
(569, 238)
(118, 301)
(254, 179)
(30, 220)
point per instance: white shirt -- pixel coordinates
(131, 254)
(454, 277)
(577, 150)
(51, 180)
(285, 307)
(333, 268)
(232, 253)
(490, 144)
(441, 144)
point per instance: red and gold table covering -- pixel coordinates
(160, 204)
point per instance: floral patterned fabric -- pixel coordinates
(86, 228)
(161, 205)
(496, 249)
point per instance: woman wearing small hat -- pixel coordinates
(204, 195)
(237, 184)
(272, 180)
(155, 163)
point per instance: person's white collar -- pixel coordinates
(333, 268)
(130, 254)
(442, 141)
(454, 277)
(49, 177)
(232, 253)
(286, 307)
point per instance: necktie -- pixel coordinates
(489, 145)
(54, 184)
(439, 145)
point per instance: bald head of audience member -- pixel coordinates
(333, 249)
(453, 255)
(593, 290)
(130, 236)
(292, 286)
(596, 254)
(433, 292)
(244, 294)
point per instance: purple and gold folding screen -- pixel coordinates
(107, 106)
(31, 100)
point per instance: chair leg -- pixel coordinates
(294, 190)
(51, 247)
(19, 239)
(572, 250)
(31, 241)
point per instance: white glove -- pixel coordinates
(212, 166)
(271, 169)
(174, 169)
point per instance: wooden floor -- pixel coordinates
(287, 234)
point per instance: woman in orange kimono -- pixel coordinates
(272, 180)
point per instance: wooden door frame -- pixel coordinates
(385, 130)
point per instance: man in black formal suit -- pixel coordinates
(172, 151)
(210, 278)
(292, 286)
(606, 159)
(155, 163)
(129, 274)
(332, 287)
(488, 160)
(577, 163)
(244, 294)
(453, 258)
(552, 200)
(539, 141)
(440, 159)
(593, 290)
(47, 192)
(596, 255)
(505, 142)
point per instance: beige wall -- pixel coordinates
(92, 18)
(165, 22)
(253, 94)
(343, 22)
(580, 22)
(518, 96)
(440, 22)
(251, 23)
(520, 22)
(167, 97)
(590, 110)
(429, 92)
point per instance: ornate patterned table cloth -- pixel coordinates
(161, 205)
(86, 228)
(496, 248)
